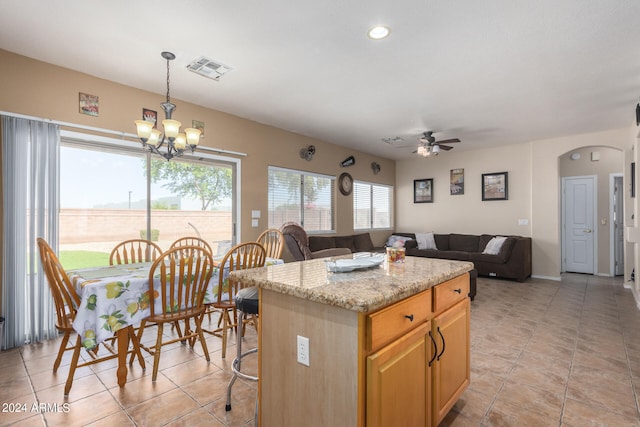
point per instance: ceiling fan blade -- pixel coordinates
(444, 147)
(449, 141)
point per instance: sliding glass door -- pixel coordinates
(192, 198)
(107, 196)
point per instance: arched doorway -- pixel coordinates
(593, 240)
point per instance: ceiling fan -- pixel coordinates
(430, 147)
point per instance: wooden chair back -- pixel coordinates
(240, 257)
(273, 241)
(134, 251)
(64, 294)
(183, 280)
(191, 241)
(67, 302)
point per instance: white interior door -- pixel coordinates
(578, 220)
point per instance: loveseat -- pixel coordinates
(512, 261)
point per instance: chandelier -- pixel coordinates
(173, 141)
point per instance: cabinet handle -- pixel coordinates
(443, 343)
(457, 291)
(410, 317)
(435, 348)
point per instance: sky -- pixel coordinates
(90, 179)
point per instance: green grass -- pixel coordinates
(72, 260)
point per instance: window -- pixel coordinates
(372, 206)
(106, 197)
(302, 197)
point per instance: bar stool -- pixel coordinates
(246, 304)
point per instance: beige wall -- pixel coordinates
(466, 213)
(534, 192)
(38, 89)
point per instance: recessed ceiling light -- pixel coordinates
(379, 32)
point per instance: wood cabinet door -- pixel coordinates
(398, 381)
(451, 369)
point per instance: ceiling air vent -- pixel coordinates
(396, 140)
(208, 68)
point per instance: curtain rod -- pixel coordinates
(122, 135)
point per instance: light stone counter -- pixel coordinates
(361, 290)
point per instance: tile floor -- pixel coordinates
(543, 353)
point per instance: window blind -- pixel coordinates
(301, 197)
(372, 206)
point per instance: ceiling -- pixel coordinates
(490, 72)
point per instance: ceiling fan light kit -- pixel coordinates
(429, 146)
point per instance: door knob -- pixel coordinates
(588, 230)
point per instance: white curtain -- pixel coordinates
(30, 175)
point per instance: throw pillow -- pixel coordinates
(494, 245)
(426, 241)
(393, 238)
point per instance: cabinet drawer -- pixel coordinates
(448, 293)
(391, 322)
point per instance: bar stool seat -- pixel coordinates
(247, 304)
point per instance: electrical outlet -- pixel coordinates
(303, 350)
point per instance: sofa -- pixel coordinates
(355, 243)
(362, 243)
(513, 261)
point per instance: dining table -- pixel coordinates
(117, 296)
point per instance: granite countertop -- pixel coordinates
(360, 290)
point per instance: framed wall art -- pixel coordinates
(197, 124)
(89, 104)
(495, 186)
(423, 190)
(456, 182)
(150, 116)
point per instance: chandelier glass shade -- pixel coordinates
(173, 142)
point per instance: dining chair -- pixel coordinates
(179, 283)
(240, 257)
(273, 241)
(134, 251)
(66, 301)
(191, 241)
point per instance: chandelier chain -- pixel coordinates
(168, 95)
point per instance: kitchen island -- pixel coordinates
(387, 345)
